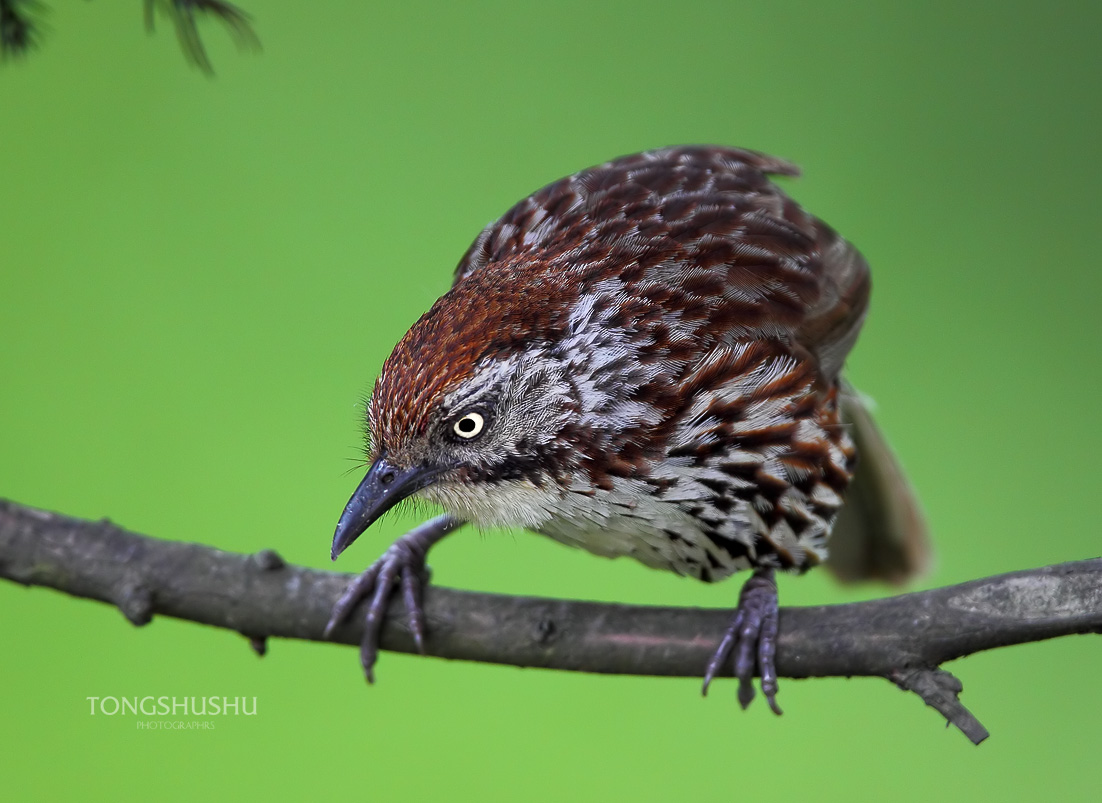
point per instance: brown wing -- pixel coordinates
(678, 211)
(880, 533)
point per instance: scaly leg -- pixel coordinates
(752, 637)
(402, 564)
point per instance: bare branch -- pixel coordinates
(904, 638)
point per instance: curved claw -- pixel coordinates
(752, 638)
(402, 565)
(391, 568)
(411, 595)
(722, 651)
(357, 590)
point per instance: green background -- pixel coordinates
(200, 278)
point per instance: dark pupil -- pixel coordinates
(466, 425)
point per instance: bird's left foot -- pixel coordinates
(752, 638)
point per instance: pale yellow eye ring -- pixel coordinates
(469, 426)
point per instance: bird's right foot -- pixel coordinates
(401, 566)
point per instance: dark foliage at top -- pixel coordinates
(21, 26)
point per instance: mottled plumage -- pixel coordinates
(640, 359)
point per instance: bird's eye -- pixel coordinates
(469, 426)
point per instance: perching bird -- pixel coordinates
(643, 359)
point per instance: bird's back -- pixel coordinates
(698, 231)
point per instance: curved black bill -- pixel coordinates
(382, 488)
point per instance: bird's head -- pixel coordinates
(471, 411)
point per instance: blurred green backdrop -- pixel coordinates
(201, 276)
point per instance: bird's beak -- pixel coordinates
(384, 486)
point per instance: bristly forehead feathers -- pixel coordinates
(683, 248)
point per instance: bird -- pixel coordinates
(643, 359)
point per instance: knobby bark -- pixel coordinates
(903, 638)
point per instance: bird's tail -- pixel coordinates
(880, 533)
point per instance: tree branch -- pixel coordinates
(903, 638)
